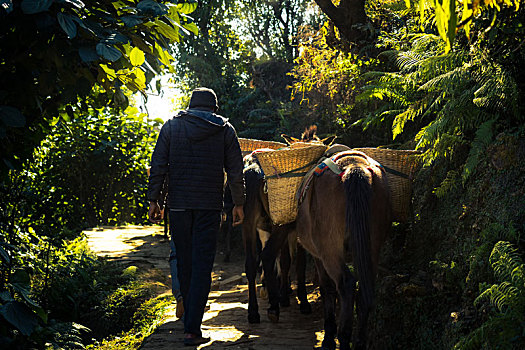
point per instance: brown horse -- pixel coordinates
(342, 215)
(257, 229)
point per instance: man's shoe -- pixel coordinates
(194, 340)
(179, 311)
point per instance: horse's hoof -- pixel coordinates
(263, 293)
(254, 318)
(273, 315)
(305, 308)
(285, 302)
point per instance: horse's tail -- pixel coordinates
(358, 190)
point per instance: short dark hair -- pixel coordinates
(203, 97)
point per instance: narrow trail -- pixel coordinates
(225, 320)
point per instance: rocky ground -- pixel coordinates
(225, 320)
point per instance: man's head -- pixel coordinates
(204, 98)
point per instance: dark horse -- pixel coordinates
(341, 215)
(257, 226)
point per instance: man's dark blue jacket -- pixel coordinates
(195, 148)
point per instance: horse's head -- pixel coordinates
(309, 136)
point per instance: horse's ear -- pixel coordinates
(289, 139)
(329, 140)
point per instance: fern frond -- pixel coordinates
(389, 55)
(448, 184)
(499, 295)
(382, 76)
(380, 93)
(481, 141)
(439, 64)
(435, 130)
(429, 43)
(445, 80)
(506, 262)
(408, 61)
(498, 332)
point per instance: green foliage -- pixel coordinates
(145, 320)
(244, 54)
(54, 52)
(479, 145)
(90, 170)
(68, 280)
(273, 26)
(504, 328)
(94, 170)
(445, 101)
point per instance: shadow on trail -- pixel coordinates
(225, 321)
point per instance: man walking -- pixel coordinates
(195, 148)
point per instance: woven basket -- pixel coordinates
(403, 161)
(250, 145)
(284, 170)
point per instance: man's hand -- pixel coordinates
(238, 215)
(154, 214)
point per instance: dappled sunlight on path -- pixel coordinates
(226, 317)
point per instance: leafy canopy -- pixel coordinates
(54, 51)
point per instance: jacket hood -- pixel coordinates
(202, 123)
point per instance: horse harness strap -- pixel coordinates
(395, 172)
(328, 162)
(293, 172)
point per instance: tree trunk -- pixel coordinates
(347, 16)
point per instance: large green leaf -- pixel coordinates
(115, 38)
(11, 116)
(192, 27)
(88, 54)
(68, 25)
(108, 52)
(187, 7)
(137, 57)
(150, 7)
(132, 20)
(20, 316)
(35, 6)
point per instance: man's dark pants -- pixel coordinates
(195, 234)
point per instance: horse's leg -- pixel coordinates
(284, 278)
(300, 266)
(328, 296)
(264, 236)
(268, 257)
(250, 244)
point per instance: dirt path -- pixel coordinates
(225, 320)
